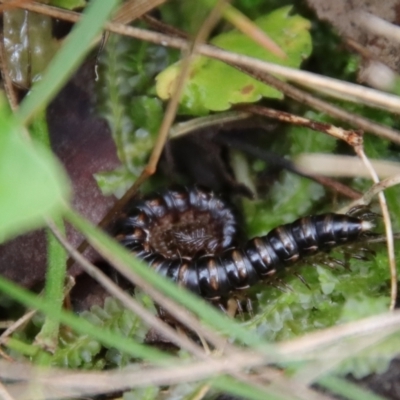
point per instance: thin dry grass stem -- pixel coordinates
(388, 228)
(309, 347)
(4, 394)
(28, 316)
(74, 383)
(133, 9)
(351, 137)
(6, 356)
(318, 104)
(378, 26)
(183, 128)
(250, 29)
(10, 4)
(312, 345)
(334, 356)
(129, 302)
(359, 93)
(173, 104)
(16, 325)
(162, 27)
(372, 192)
(7, 81)
(267, 156)
(344, 166)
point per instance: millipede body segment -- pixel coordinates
(189, 236)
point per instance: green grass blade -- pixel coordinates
(80, 325)
(347, 389)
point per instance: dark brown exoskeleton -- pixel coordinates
(188, 235)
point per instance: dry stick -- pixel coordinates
(27, 316)
(282, 162)
(19, 322)
(335, 356)
(133, 9)
(183, 128)
(350, 136)
(318, 104)
(306, 347)
(378, 26)
(372, 192)
(4, 395)
(388, 228)
(6, 356)
(69, 382)
(386, 101)
(172, 106)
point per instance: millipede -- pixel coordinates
(189, 235)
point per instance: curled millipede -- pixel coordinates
(189, 236)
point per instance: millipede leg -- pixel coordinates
(302, 280)
(249, 307)
(234, 307)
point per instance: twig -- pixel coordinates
(377, 25)
(4, 395)
(318, 104)
(344, 166)
(269, 156)
(184, 128)
(172, 106)
(74, 383)
(19, 322)
(372, 192)
(132, 9)
(351, 137)
(312, 345)
(388, 228)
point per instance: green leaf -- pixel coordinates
(32, 183)
(215, 86)
(289, 198)
(127, 102)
